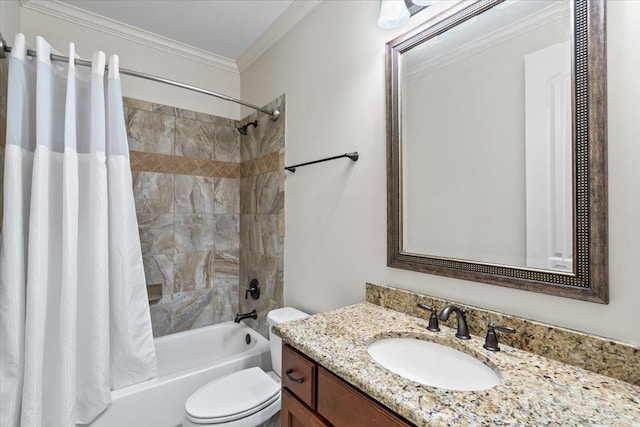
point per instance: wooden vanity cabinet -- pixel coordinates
(299, 375)
(313, 397)
(294, 413)
(343, 405)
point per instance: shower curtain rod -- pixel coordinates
(274, 114)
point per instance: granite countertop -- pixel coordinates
(533, 391)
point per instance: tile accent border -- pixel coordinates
(596, 354)
(167, 163)
(268, 163)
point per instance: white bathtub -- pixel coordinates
(186, 361)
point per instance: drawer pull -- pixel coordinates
(297, 380)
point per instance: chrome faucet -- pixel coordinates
(463, 329)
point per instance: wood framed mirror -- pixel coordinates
(496, 147)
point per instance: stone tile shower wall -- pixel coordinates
(262, 213)
(185, 168)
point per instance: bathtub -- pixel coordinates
(186, 361)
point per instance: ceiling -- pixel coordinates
(223, 27)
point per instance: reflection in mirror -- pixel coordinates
(487, 139)
(496, 118)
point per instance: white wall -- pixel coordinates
(139, 57)
(331, 66)
(9, 19)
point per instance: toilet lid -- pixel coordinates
(234, 396)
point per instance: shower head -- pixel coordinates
(243, 129)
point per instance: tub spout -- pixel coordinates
(252, 315)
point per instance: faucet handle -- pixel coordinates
(433, 319)
(253, 290)
(491, 341)
(426, 307)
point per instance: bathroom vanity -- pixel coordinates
(313, 396)
(332, 380)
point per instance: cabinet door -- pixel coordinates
(295, 414)
(344, 406)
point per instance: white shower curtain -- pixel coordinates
(74, 318)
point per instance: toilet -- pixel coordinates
(247, 398)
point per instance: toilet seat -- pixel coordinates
(233, 397)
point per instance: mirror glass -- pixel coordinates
(496, 142)
(486, 139)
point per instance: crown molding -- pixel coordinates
(115, 28)
(285, 22)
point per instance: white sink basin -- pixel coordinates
(433, 364)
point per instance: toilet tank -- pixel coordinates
(273, 318)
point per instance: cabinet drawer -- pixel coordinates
(343, 405)
(298, 375)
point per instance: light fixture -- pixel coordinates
(393, 13)
(423, 2)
